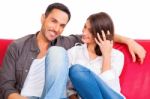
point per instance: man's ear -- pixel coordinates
(42, 18)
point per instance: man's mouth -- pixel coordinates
(53, 34)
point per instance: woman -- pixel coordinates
(95, 68)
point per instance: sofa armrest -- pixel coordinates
(3, 47)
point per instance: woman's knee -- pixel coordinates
(77, 72)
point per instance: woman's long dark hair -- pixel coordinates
(101, 21)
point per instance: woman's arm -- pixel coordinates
(106, 49)
(135, 49)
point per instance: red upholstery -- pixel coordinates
(135, 78)
(3, 47)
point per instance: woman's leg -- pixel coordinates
(90, 86)
(32, 97)
(56, 73)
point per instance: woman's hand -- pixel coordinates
(106, 48)
(104, 45)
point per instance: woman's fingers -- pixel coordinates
(97, 42)
(103, 35)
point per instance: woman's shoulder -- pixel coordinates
(116, 52)
(76, 48)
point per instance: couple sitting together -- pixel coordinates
(46, 65)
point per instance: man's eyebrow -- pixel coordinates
(54, 19)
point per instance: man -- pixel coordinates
(17, 76)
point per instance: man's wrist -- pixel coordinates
(128, 41)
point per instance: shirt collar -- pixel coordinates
(87, 54)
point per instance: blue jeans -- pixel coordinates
(56, 73)
(89, 86)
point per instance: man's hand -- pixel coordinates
(136, 49)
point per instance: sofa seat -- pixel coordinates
(135, 77)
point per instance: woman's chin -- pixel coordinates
(84, 41)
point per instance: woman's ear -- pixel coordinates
(42, 18)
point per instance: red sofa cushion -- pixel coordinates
(134, 79)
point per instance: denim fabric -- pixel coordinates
(56, 73)
(39, 98)
(89, 85)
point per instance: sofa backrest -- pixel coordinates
(3, 47)
(134, 79)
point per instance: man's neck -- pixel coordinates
(43, 45)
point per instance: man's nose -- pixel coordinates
(57, 27)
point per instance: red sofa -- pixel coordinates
(135, 78)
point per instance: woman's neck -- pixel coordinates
(91, 51)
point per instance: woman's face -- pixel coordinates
(87, 36)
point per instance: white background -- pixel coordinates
(21, 17)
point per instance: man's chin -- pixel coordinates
(52, 38)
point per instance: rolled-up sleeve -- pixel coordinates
(111, 77)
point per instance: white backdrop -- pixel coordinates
(22, 17)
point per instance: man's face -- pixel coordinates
(54, 24)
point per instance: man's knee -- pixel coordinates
(56, 50)
(57, 57)
(57, 54)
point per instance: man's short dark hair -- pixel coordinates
(59, 6)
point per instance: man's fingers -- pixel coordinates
(142, 59)
(133, 56)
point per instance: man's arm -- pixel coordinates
(7, 74)
(134, 47)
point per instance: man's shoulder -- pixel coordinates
(19, 43)
(72, 36)
(23, 39)
(67, 41)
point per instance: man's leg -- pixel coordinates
(89, 85)
(56, 73)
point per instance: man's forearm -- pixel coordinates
(121, 39)
(16, 96)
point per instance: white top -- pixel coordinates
(79, 55)
(34, 83)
